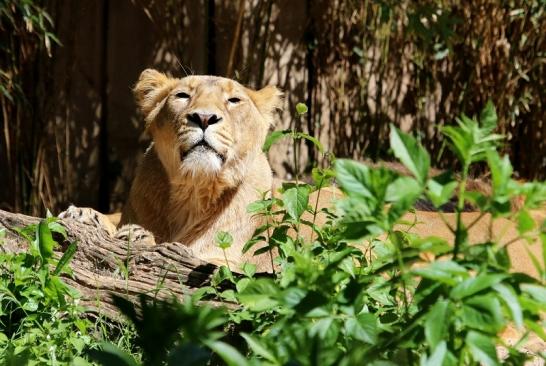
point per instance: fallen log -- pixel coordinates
(103, 265)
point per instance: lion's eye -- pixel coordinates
(234, 100)
(182, 95)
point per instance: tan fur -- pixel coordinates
(432, 224)
(187, 194)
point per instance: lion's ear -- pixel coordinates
(267, 99)
(150, 90)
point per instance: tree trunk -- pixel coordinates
(161, 271)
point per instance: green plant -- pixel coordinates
(353, 292)
(171, 333)
(40, 319)
(334, 302)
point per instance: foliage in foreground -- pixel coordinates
(39, 317)
(353, 292)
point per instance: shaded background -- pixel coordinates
(69, 129)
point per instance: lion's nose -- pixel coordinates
(204, 120)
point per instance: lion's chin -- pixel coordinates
(201, 161)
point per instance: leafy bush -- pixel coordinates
(353, 293)
(333, 304)
(40, 319)
(171, 333)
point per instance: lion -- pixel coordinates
(205, 164)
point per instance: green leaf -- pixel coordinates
(437, 357)
(261, 206)
(322, 177)
(314, 140)
(476, 284)
(301, 109)
(228, 295)
(258, 348)
(260, 295)
(410, 153)
(30, 305)
(249, 269)
(501, 173)
(252, 242)
(469, 141)
(45, 241)
(442, 271)
(460, 143)
(508, 295)
(403, 193)
(348, 265)
(436, 323)
(79, 361)
(482, 348)
(483, 313)
(439, 193)
(224, 240)
(353, 177)
(526, 222)
(56, 227)
(109, 355)
(363, 327)
(403, 189)
(227, 353)
(534, 193)
(242, 284)
(296, 200)
(65, 259)
(321, 327)
(221, 274)
(273, 137)
(535, 291)
(488, 117)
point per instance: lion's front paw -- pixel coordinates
(135, 233)
(88, 216)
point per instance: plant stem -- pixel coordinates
(459, 230)
(315, 210)
(401, 264)
(476, 220)
(269, 237)
(296, 168)
(225, 257)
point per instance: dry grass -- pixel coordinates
(365, 64)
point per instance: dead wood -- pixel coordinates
(160, 271)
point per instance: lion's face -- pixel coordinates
(203, 125)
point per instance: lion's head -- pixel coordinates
(203, 126)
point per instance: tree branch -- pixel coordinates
(161, 271)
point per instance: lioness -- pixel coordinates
(205, 164)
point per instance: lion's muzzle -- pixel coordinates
(203, 120)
